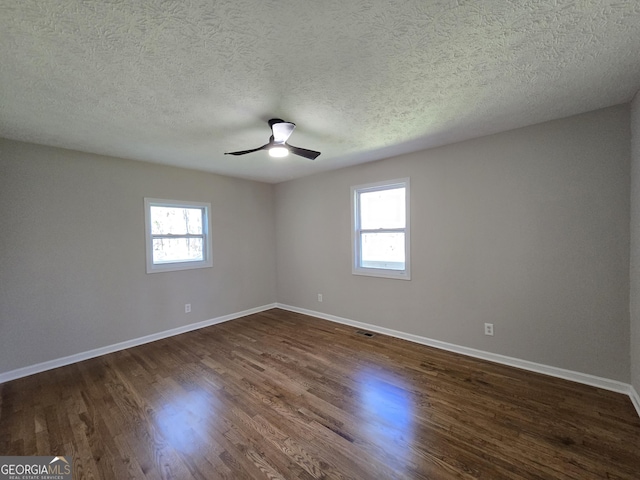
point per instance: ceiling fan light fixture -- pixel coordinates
(278, 146)
(278, 152)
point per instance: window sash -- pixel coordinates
(177, 250)
(378, 250)
(382, 207)
(171, 235)
(383, 230)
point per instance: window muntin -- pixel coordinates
(177, 235)
(381, 229)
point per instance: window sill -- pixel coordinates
(380, 273)
(177, 266)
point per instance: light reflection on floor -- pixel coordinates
(387, 409)
(179, 420)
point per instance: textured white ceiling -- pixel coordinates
(181, 82)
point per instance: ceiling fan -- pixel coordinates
(278, 146)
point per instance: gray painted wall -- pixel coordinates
(635, 243)
(527, 229)
(72, 243)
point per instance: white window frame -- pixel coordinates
(356, 267)
(206, 237)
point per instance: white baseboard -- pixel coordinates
(78, 357)
(635, 399)
(604, 383)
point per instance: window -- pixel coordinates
(381, 229)
(177, 235)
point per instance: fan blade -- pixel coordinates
(303, 152)
(243, 152)
(281, 130)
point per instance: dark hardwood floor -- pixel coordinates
(281, 395)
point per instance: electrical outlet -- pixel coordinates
(488, 329)
(320, 297)
(187, 308)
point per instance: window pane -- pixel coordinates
(382, 250)
(177, 250)
(382, 209)
(177, 221)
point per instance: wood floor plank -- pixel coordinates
(279, 395)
